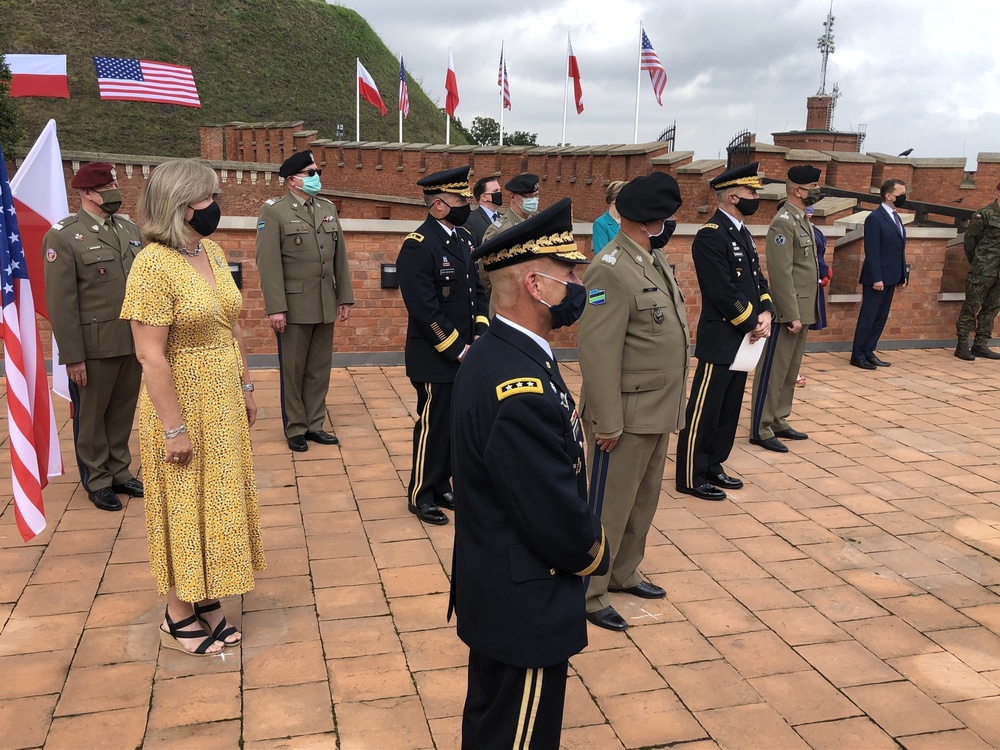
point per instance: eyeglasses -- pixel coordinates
(312, 172)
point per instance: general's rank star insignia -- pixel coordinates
(519, 385)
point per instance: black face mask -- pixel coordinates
(567, 312)
(206, 220)
(658, 241)
(496, 198)
(458, 215)
(900, 200)
(748, 206)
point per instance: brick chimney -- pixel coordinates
(819, 112)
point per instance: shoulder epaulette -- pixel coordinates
(710, 226)
(272, 201)
(519, 385)
(414, 236)
(63, 223)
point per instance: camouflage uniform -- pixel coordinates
(982, 287)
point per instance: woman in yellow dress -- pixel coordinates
(196, 409)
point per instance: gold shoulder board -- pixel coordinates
(414, 236)
(709, 226)
(519, 385)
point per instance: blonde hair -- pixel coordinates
(612, 190)
(171, 188)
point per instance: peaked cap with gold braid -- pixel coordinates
(738, 176)
(547, 234)
(448, 181)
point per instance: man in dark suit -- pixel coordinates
(735, 302)
(884, 269)
(486, 193)
(525, 538)
(446, 307)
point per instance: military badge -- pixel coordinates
(609, 259)
(95, 228)
(134, 243)
(779, 239)
(102, 271)
(596, 296)
(260, 225)
(298, 240)
(657, 316)
(78, 237)
(444, 261)
(51, 254)
(114, 175)
(327, 218)
(519, 385)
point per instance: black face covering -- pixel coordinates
(748, 206)
(900, 200)
(567, 312)
(458, 215)
(496, 198)
(658, 241)
(206, 220)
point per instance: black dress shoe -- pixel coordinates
(298, 443)
(429, 514)
(864, 364)
(771, 444)
(323, 438)
(644, 590)
(608, 619)
(131, 487)
(445, 500)
(704, 491)
(984, 351)
(105, 499)
(872, 359)
(723, 480)
(791, 434)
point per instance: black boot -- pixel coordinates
(962, 351)
(984, 351)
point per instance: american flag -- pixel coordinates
(128, 80)
(404, 95)
(502, 81)
(650, 62)
(30, 419)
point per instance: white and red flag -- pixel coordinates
(38, 75)
(34, 441)
(451, 88)
(574, 73)
(367, 88)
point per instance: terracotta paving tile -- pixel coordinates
(218, 734)
(285, 562)
(879, 583)
(665, 558)
(709, 684)
(802, 626)
(911, 563)
(616, 672)
(759, 654)
(24, 722)
(415, 580)
(117, 644)
(957, 590)
(366, 635)
(900, 708)
(988, 616)
(873, 539)
(847, 663)
(863, 504)
(447, 732)
(890, 637)
(344, 602)
(106, 729)
(803, 532)
(338, 546)
(981, 717)
(773, 511)
(699, 541)
(944, 677)
(25, 635)
(20, 558)
(979, 568)
(387, 723)
(344, 571)
(846, 733)
(395, 529)
(590, 737)
(900, 522)
(671, 643)
(434, 649)
(287, 711)
(272, 626)
(56, 598)
(291, 536)
(739, 526)
(126, 577)
(12, 586)
(419, 612)
(118, 685)
(689, 585)
(66, 568)
(962, 739)
(25, 675)
(344, 522)
(728, 566)
(279, 593)
(82, 542)
(649, 719)
(926, 613)
(753, 726)
(283, 664)
(369, 677)
(720, 617)
(977, 647)
(442, 691)
(768, 549)
(803, 697)
(802, 574)
(199, 699)
(837, 556)
(840, 603)
(580, 708)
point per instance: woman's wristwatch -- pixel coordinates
(248, 387)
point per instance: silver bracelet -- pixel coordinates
(168, 434)
(248, 387)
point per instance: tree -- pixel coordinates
(520, 138)
(10, 130)
(486, 132)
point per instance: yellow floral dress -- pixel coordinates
(202, 519)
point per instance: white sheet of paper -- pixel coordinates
(749, 354)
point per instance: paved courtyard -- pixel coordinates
(848, 597)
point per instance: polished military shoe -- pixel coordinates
(105, 499)
(131, 487)
(981, 350)
(962, 351)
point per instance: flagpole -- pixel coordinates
(357, 100)
(502, 77)
(447, 129)
(638, 81)
(402, 72)
(565, 92)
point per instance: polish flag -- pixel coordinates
(451, 87)
(38, 75)
(368, 89)
(39, 192)
(574, 73)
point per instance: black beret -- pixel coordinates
(523, 184)
(547, 234)
(94, 175)
(296, 163)
(448, 181)
(649, 198)
(738, 176)
(804, 174)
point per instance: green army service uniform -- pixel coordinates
(87, 260)
(633, 345)
(302, 260)
(982, 286)
(505, 219)
(793, 271)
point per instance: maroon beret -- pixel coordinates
(94, 175)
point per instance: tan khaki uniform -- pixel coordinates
(505, 219)
(86, 264)
(302, 259)
(633, 344)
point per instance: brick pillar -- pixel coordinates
(819, 112)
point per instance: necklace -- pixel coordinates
(191, 253)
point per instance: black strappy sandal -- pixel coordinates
(176, 630)
(223, 630)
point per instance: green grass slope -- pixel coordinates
(253, 60)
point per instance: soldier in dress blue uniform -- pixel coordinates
(446, 306)
(525, 537)
(735, 302)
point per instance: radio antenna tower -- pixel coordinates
(826, 48)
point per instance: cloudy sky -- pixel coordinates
(919, 74)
